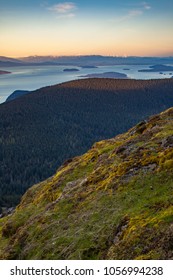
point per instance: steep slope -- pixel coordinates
(44, 128)
(114, 202)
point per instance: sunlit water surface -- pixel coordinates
(34, 77)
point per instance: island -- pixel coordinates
(2, 72)
(70, 70)
(89, 67)
(157, 68)
(112, 75)
(17, 94)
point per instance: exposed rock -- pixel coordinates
(167, 142)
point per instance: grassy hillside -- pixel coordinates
(113, 202)
(39, 131)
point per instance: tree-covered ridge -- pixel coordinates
(113, 202)
(41, 130)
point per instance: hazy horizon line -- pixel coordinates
(81, 55)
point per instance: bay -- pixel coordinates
(34, 77)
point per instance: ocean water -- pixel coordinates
(34, 77)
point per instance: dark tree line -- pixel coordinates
(39, 131)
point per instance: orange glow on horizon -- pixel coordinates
(85, 37)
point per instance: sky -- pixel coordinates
(86, 27)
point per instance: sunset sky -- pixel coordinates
(106, 27)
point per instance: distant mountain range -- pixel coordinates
(83, 61)
(42, 129)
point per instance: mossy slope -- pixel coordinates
(114, 202)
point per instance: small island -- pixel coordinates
(71, 70)
(157, 68)
(111, 75)
(2, 72)
(89, 67)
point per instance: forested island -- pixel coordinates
(2, 72)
